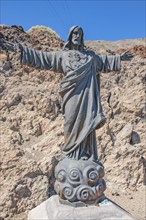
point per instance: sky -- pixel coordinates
(100, 20)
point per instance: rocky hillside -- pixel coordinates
(32, 124)
(135, 46)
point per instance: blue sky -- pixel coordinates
(101, 20)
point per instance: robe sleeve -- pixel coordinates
(106, 63)
(42, 60)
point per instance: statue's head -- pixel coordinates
(75, 38)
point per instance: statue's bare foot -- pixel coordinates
(84, 158)
(101, 124)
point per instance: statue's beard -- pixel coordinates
(76, 42)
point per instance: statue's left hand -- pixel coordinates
(126, 56)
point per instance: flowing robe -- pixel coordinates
(80, 92)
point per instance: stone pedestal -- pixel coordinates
(51, 209)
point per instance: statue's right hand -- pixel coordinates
(2, 42)
(6, 45)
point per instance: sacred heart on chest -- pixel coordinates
(76, 59)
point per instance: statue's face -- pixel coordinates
(76, 36)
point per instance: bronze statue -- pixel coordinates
(81, 106)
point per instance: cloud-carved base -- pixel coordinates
(79, 180)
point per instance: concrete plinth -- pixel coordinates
(51, 209)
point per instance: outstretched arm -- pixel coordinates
(39, 59)
(107, 63)
(35, 58)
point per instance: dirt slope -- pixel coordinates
(32, 125)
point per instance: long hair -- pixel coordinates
(68, 44)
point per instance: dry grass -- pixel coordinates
(42, 30)
(2, 25)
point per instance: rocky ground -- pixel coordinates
(32, 125)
